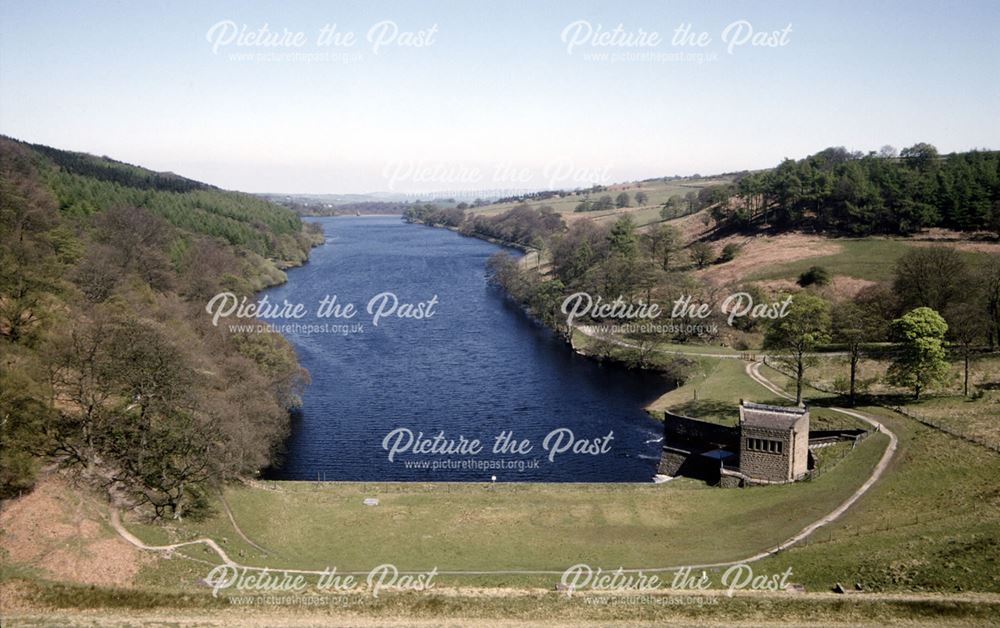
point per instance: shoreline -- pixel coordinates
(261, 478)
(511, 245)
(567, 339)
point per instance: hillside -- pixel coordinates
(851, 213)
(109, 365)
(833, 192)
(646, 199)
(768, 237)
(82, 185)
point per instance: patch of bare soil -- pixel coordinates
(693, 226)
(14, 596)
(58, 530)
(774, 287)
(843, 287)
(979, 241)
(939, 233)
(760, 251)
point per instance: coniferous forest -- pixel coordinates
(838, 191)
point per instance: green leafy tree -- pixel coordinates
(805, 327)
(623, 200)
(545, 302)
(844, 192)
(702, 254)
(671, 207)
(691, 198)
(857, 323)
(664, 242)
(604, 203)
(135, 389)
(30, 264)
(968, 324)
(23, 415)
(936, 277)
(622, 239)
(922, 361)
(749, 323)
(921, 155)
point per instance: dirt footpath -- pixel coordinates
(58, 530)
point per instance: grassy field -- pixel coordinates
(714, 391)
(79, 606)
(977, 416)
(933, 523)
(512, 526)
(833, 371)
(717, 385)
(868, 258)
(862, 258)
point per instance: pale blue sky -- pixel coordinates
(497, 88)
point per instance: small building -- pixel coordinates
(769, 445)
(774, 442)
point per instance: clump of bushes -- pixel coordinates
(728, 253)
(815, 276)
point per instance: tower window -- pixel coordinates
(765, 445)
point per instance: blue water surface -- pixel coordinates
(477, 368)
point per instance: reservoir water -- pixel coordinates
(478, 368)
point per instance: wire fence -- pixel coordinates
(828, 462)
(931, 423)
(945, 428)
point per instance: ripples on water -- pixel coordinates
(477, 368)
